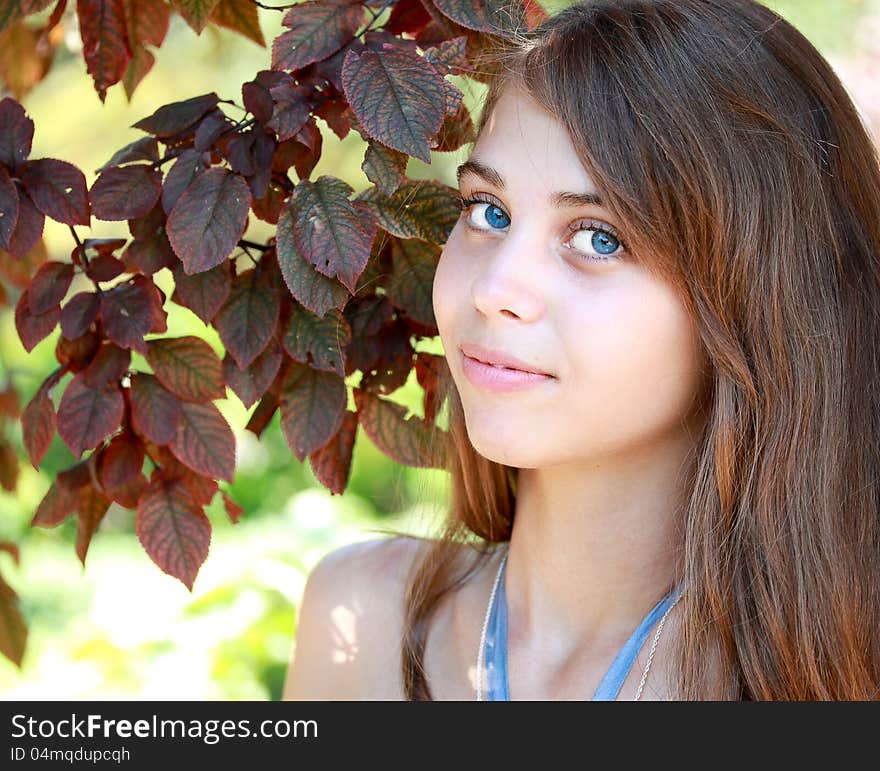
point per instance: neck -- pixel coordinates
(593, 548)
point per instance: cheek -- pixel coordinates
(449, 286)
(638, 363)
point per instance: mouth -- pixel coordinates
(500, 360)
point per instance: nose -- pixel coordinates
(508, 280)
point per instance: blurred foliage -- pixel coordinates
(120, 628)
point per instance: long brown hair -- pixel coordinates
(743, 173)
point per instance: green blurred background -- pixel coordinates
(122, 629)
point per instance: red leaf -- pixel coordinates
(78, 314)
(10, 406)
(410, 286)
(332, 463)
(108, 366)
(57, 504)
(143, 149)
(407, 16)
(11, 548)
(197, 13)
(76, 354)
(32, 329)
(88, 415)
(146, 24)
(398, 97)
(8, 208)
(204, 441)
(124, 193)
(431, 369)
(91, 508)
(126, 315)
(189, 165)
(493, 16)
(240, 16)
(8, 466)
(120, 461)
(314, 290)
(291, 110)
(28, 226)
(409, 441)
(203, 293)
(38, 419)
(105, 41)
(58, 189)
(16, 133)
(250, 383)
(233, 510)
(105, 267)
(173, 529)
(171, 119)
(384, 167)
(155, 412)
(332, 233)
(188, 367)
(247, 320)
(312, 408)
(13, 629)
(419, 208)
(318, 342)
(49, 286)
(208, 219)
(317, 29)
(158, 314)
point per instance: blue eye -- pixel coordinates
(604, 240)
(494, 214)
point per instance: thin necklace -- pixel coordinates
(486, 626)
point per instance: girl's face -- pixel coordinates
(547, 280)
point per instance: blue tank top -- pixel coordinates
(495, 651)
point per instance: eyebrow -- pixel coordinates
(559, 198)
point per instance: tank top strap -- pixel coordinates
(610, 686)
(495, 653)
(495, 649)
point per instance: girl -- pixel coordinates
(659, 309)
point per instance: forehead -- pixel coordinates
(529, 145)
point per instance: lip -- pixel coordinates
(491, 378)
(490, 356)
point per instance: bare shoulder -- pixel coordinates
(350, 622)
